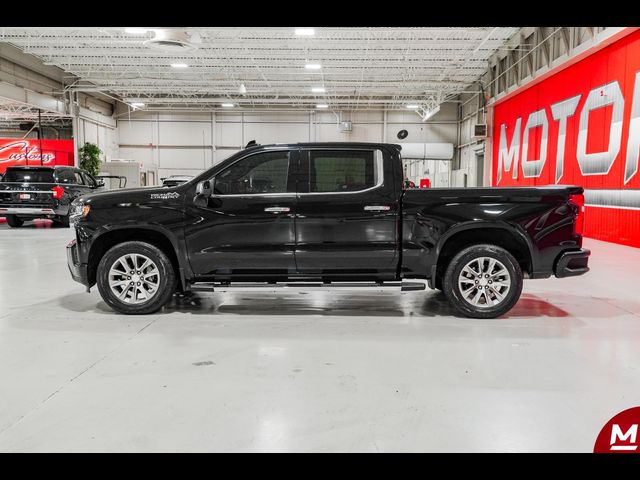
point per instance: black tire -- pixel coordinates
(166, 285)
(453, 291)
(13, 221)
(62, 221)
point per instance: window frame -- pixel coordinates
(378, 169)
(290, 175)
(78, 174)
(89, 181)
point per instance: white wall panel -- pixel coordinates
(142, 155)
(276, 132)
(229, 134)
(184, 133)
(233, 129)
(90, 131)
(137, 132)
(186, 158)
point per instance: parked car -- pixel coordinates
(175, 180)
(27, 193)
(324, 215)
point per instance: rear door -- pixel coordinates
(347, 214)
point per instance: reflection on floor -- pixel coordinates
(311, 371)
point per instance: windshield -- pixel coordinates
(29, 175)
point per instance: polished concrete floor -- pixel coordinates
(311, 371)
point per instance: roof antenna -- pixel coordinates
(251, 143)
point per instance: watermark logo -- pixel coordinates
(620, 434)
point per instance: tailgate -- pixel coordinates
(25, 194)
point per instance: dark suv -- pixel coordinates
(27, 193)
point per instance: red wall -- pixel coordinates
(602, 125)
(17, 151)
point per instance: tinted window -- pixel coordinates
(260, 173)
(341, 171)
(31, 176)
(79, 179)
(88, 180)
(66, 176)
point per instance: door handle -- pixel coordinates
(277, 209)
(377, 208)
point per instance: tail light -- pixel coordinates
(578, 201)
(58, 191)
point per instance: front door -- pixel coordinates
(346, 217)
(245, 230)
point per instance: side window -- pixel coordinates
(89, 180)
(66, 176)
(78, 178)
(344, 171)
(261, 173)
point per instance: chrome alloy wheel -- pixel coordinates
(134, 278)
(484, 282)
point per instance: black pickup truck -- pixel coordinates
(27, 193)
(325, 215)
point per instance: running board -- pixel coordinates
(313, 286)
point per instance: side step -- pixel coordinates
(308, 286)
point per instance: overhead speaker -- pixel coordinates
(402, 134)
(480, 130)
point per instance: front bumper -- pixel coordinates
(572, 263)
(78, 270)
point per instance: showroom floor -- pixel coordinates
(311, 371)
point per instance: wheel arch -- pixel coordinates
(158, 237)
(502, 235)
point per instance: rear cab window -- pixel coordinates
(344, 171)
(29, 175)
(66, 176)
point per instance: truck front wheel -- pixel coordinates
(136, 278)
(483, 281)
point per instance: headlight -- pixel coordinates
(79, 210)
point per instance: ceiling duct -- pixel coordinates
(174, 41)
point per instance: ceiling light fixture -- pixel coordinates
(305, 31)
(228, 105)
(179, 65)
(242, 89)
(137, 104)
(318, 89)
(413, 107)
(136, 31)
(313, 66)
(322, 105)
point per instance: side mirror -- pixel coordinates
(99, 183)
(204, 188)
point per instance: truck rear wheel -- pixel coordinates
(136, 278)
(13, 221)
(483, 281)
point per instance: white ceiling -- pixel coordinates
(361, 67)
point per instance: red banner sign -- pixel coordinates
(17, 151)
(580, 126)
